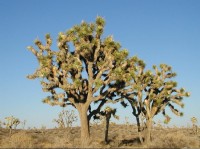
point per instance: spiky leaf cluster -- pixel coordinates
(82, 49)
(11, 122)
(152, 91)
(194, 120)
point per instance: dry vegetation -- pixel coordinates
(120, 136)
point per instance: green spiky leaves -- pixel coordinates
(108, 111)
(120, 55)
(98, 83)
(156, 90)
(187, 94)
(100, 22)
(37, 42)
(77, 83)
(85, 64)
(48, 40)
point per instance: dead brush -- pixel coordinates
(18, 140)
(174, 140)
(60, 142)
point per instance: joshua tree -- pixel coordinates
(60, 121)
(85, 69)
(107, 113)
(194, 125)
(161, 93)
(70, 118)
(151, 93)
(11, 122)
(66, 119)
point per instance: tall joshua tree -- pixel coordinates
(85, 69)
(151, 93)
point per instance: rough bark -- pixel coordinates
(148, 131)
(85, 133)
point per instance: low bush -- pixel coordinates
(18, 140)
(175, 140)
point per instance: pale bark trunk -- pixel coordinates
(85, 133)
(148, 132)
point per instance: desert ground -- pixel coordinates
(120, 136)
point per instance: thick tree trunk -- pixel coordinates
(148, 132)
(85, 133)
(139, 130)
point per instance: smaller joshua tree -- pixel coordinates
(107, 113)
(194, 125)
(70, 118)
(161, 92)
(60, 120)
(151, 93)
(11, 122)
(66, 118)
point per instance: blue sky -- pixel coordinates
(166, 31)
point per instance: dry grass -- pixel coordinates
(17, 140)
(120, 136)
(175, 139)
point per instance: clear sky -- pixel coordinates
(166, 31)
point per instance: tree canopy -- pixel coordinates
(89, 69)
(84, 69)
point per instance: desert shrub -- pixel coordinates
(175, 140)
(66, 119)
(62, 142)
(18, 140)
